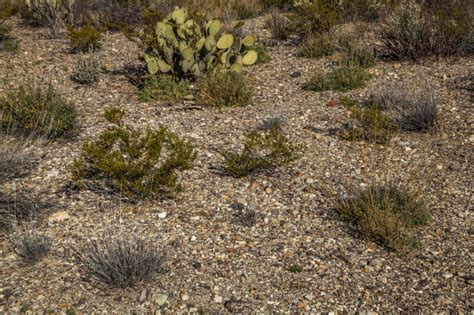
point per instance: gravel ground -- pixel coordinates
(214, 262)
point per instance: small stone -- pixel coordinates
(218, 299)
(268, 190)
(193, 238)
(142, 297)
(471, 138)
(162, 215)
(397, 66)
(185, 297)
(59, 216)
(377, 264)
(53, 173)
(161, 299)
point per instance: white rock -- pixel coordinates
(161, 299)
(59, 216)
(218, 299)
(162, 215)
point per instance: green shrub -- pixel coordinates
(262, 151)
(374, 125)
(9, 45)
(341, 79)
(244, 11)
(87, 70)
(263, 56)
(133, 164)
(315, 17)
(357, 56)
(38, 110)
(317, 46)
(224, 89)
(432, 28)
(164, 88)
(8, 8)
(84, 39)
(386, 214)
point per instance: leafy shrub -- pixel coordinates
(39, 110)
(314, 17)
(262, 151)
(317, 46)
(415, 31)
(29, 245)
(386, 214)
(411, 111)
(164, 88)
(374, 125)
(341, 79)
(15, 161)
(84, 39)
(224, 89)
(131, 163)
(278, 25)
(87, 70)
(263, 56)
(115, 261)
(46, 13)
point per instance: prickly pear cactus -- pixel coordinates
(186, 49)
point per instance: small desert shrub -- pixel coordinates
(317, 46)
(29, 245)
(224, 89)
(262, 151)
(50, 14)
(5, 29)
(8, 8)
(411, 111)
(115, 261)
(315, 17)
(341, 79)
(164, 88)
(245, 10)
(263, 56)
(15, 161)
(357, 56)
(39, 110)
(19, 207)
(87, 70)
(415, 31)
(84, 39)
(132, 163)
(278, 24)
(9, 45)
(386, 214)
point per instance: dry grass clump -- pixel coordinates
(262, 151)
(386, 214)
(119, 261)
(15, 160)
(19, 207)
(29, 245)
(84, 39)
(278, 25)
(317, 46)
(341, 79)
(224, 89)
(87, 70)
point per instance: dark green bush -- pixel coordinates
(9, 45)
(341, 79)
(262, 151)
(164, 88)
(84, 39)
(263, 56)
(386, 214)
(133, 164)
(38, 110)
(224, 89)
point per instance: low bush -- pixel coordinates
(262, 151)
(40, 111)
(19, 207)
(317, 46)
(415, 30)
(317, 16)
(386, 214)
(15, 161)
(87, 70)
(224, 89)
(5, 30)
(357, 56)
(341, 79)
(263, 56)
(245, 10)
(8, 8)
(278, 25)
(411, 111)
(116, 261)
(131, 163)
(29, 245)
(164, 88)
(84, 39)
(373, 124)
(9, 45)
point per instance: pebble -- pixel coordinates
(218, 299)
(162, 215)
(161, 299)
(59, 216)
(142, 297)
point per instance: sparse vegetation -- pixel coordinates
(263, 56)
(15, 161)
(358, 57)
(278, 25)
(386, 214)
(87, 70)
(45, 13)
(164, 88)
(262, 151)
(317, 16)
(29, 245)
(317, 46)
(133, 164)
(224, 89)
(341, 79)
(38, 110)
(19, 207)
(84, 39)
(119, 261)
